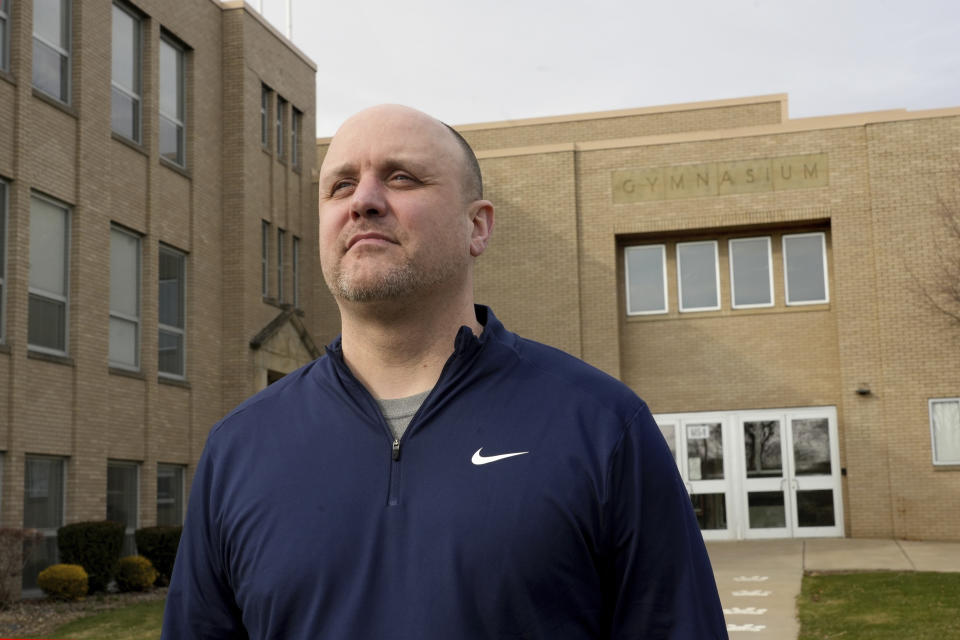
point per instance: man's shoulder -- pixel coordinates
(576, 379)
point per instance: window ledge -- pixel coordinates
(53, 102)
(273, 302)
(9, 77)
(136, 146)
(169, 164)
(266, 150)
(50, 357)
(947, 467)
(173, 382)
(126, 373)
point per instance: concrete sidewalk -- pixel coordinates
(759, 580)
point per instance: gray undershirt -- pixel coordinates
(400, 411)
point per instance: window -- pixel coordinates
(645, 270)
(295, 259)
(945, 430)
(805, 268)
(123, 499)
(51, 48)
(49, 251)
(264, 258)
(171, 312)
(3, 253)
(124, 299)
(127, 67)
(281, 234)
(172, 104)
(295, 125)
(265, 116)
(281, 111)
(4, 35)
(751, 274)
(43, 509)
(697, 276)
(169, 495)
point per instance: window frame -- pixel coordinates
(296, 122)
(281, 236)
(161, 327)
(128, 532)
(733, 281)
(280, 126)
(181, 471)
(4, 229)
(786, 270)
(180, 123)
(933, 432)
(136, 320)
(265, 92)
(67, 82)
(626, 278)
(716, 275)
(63, 299)
(295, 267)
(5, 34)
(138, 72)
(47, 532)
(265, 258)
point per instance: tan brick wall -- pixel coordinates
(76, 407)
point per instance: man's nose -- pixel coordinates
(368, 198)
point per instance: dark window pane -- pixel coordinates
(811, 447)
(125, 115)
(47, 323)
(169, 495)
(50, 71)
(815, 508)
(170, 353)
(710, 509)
(171, 146)
(705, 451)
(761, 441)
(766, 509)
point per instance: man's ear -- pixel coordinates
(481, 218)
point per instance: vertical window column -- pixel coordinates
(805, 268)
(281, 112)
(3, 256)
(281, 236)
(5, 35)
(49, 276)
(265, 116)
(265, 258)
(125, 92)
(124, 299)
(645, 270)
(945, 430)
(170, 495)
(172, 103)
(51, 48)
(751, 273)
(171, 313)
(123, 500)
(295, 259)
(697, 276)
(295, 125)
(43, 509)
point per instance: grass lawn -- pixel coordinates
(140, 621)
(880, 606)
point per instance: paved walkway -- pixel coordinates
(759, 580)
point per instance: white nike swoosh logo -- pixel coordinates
(478, 459)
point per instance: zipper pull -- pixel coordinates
(396, 449)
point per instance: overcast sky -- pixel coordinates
(479, 61)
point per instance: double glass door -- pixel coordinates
(760, 474)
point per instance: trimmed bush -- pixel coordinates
(63, 582)
(93, 545)
(159, 546)
(135, 573)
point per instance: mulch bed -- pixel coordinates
(37, 618)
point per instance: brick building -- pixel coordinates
(762, 282)
(157, 246)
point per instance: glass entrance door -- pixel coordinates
(815, 474)
(765, 481)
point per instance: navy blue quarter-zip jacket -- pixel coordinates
(532, 496)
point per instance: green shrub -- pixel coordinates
(135, 573)
(159, 546)
(63, 581)
(93, 545)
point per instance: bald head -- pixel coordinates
(381, 117)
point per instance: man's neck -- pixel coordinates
(397, 351)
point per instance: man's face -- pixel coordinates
(393, 220)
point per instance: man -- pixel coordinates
(434, 475)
